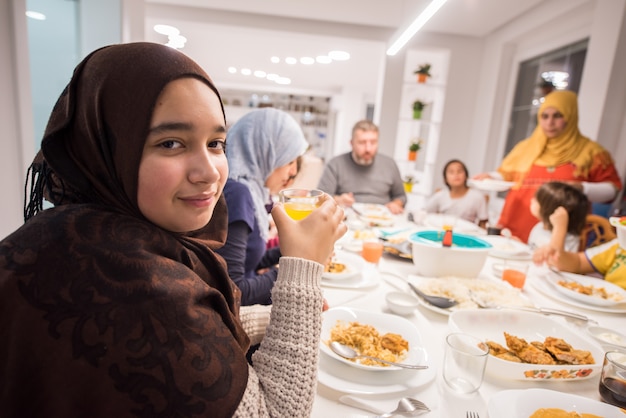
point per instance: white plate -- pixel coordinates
(438, 220)
(511, 249)
(347, 379)
(488, 324)
(383, 323)
(611, 289)
(524, 402)
(373, 214)
(490, 185)
(608, 336)
(361, 281)
(488, 290)
(540, 283)
(354, 266)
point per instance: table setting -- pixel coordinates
(383, 295)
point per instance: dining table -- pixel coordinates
(391, 274)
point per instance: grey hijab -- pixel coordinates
(257, 144)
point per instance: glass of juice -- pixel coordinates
(299, 203)
(372, 251)
(515, 273)
(613, 379)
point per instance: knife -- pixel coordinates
(550, 311)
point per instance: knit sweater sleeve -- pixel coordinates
(284, 377)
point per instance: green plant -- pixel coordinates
(409, 179)
(423, 69)
(419, 105)
(415, 145)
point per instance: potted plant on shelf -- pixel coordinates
(418, 106)
(408, 181)
(423, 72)
(414, 147)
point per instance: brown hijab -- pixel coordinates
(102, 313)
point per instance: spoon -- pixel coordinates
(438, 301)
(347, 352)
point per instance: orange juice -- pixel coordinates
(372, 251)
(515, 277)
(298, 210)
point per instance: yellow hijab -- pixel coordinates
(571, 146)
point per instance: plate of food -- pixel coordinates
(373, 214)
(490, 185)
(536, 403)
(467, 291)
(353, 239)
(587, 290)
(385, 336)
(343, 265)
(438, 220)
(503, 247)
(529, 346)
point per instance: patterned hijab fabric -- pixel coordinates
(103, 313)
(569, 147)
(257, 144)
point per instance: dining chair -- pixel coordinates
(597, 230)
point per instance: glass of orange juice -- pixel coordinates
(372, 251)
(299, 203)
(515, 273)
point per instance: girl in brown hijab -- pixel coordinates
(113, 302)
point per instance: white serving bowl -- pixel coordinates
(401, 303)
(465, 258)
(490, 324)
(621, 229)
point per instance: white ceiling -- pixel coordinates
(246, 33)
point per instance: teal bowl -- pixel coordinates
(465, 258)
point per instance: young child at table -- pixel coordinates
(561, 209)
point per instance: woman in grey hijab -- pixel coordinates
(262, 151)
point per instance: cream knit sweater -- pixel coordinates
(283, 381)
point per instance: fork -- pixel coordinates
(472, 414)
(408, 407)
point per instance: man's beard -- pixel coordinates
(362, 161)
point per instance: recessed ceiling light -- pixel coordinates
(166, 30)
(339, 55)
(275, 60)
(272, 76)
(283, 80)
(323, 59)
(232, 70)
(307, 60)
(35, 15)
(246, 71)
(291, 60)
(176, 41)
(260, 73)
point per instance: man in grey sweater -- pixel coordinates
(363, 175)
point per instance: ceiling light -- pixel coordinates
(272, 76)
(275, 60)
(323, 59)
(339, 55)
(232, 70)
(307, 60)
(291, 60)
(283, 80)
(419, 21)
(35, 15)
(176, 41)
(260, 73)
(166, 30)
(246, 71)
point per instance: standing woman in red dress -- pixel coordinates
(556, 151)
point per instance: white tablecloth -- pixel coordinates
(434, 328)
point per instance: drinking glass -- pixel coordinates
(299, 203)
(613, 379)
(464, 362)
(514, 272)
(372, 251)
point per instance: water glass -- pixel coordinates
(299, 203)
(464, 363)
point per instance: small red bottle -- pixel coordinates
(447, 236)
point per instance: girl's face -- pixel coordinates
(282, 177)
(183, 167)
(455, 175)
(535, 208)
(552, 122)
